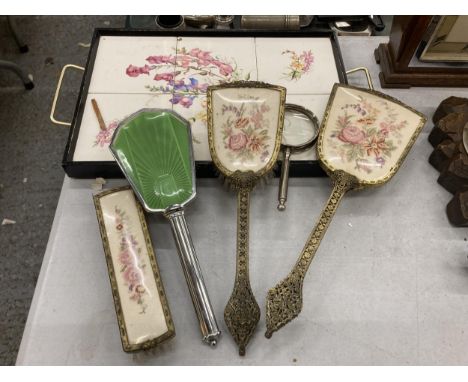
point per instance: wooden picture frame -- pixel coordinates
(447, 41)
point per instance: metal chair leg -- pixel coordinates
(14, 31)
(27, 82)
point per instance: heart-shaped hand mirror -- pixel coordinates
(245, 123)
(364, 138)
(153, 147)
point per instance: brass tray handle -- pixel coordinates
(366, 71)
(57, 92)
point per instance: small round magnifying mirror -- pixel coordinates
(300, 131)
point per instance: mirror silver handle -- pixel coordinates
(194, 277)
(283, 189)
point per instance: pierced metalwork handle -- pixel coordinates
(242, 312)
(284, 301)
(194, 277)
(283, 190)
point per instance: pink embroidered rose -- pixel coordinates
(126, 258)
(132, 275)
(352, 134)
(237, 141)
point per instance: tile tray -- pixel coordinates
(108, 169)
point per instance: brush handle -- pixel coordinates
(194, 277)
(284, 301)
(242, 311)
(283, 189)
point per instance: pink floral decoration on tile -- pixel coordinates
(300, 64)
(104, 137)
(187, 73)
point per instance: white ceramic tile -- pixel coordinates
(302, 65)
(193, 109)
(92, 143)
(209, 61)
(317, 105)
(126, 64)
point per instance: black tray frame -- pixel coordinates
(204, 169)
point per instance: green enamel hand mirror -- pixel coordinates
(153, 147)
(364, 138)
(245, 125)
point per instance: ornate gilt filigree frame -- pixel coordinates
(242, 312)
(329, 169)
(127, 347)
(279, 130)
(284, 301)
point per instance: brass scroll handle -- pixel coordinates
(242, 312)
(57, 92)
(284, 301)
(366, 72)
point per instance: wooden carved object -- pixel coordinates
(450, 156)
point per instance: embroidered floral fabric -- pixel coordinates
(132, 267)
(366, 133)
(245, 131)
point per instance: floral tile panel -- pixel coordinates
(302, 65)
(365, 134)
(193, 109)
(201, 62)
(93, 143)
(317, 105)
(129, 64)
(140, 300)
